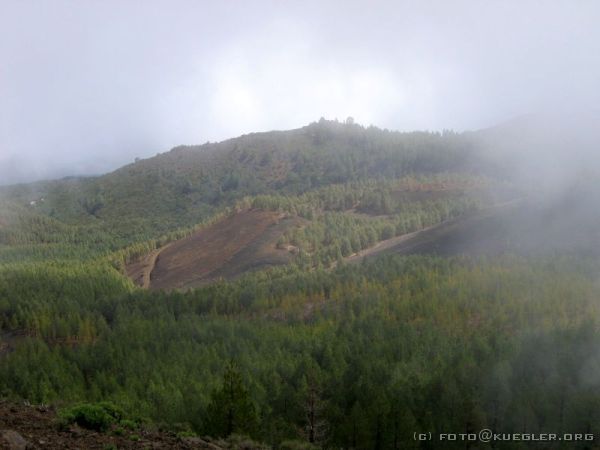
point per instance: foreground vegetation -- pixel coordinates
(361, 358)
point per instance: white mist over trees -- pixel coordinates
(88, 87)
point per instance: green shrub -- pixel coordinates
(94, 416)
(128, 424)
(113, 410)
(187, 433)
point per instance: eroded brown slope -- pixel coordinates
(239, 243)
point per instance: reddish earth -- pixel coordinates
(139, 271)
(239, 243)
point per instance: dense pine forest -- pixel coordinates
(325, 351)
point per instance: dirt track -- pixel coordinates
(430, 239)
(525, 226)
(140, 270)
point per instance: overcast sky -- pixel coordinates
(86, 86)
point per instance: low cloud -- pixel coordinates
(87, 87)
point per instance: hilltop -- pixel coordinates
(173, 192)
(189, 182)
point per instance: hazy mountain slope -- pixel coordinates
(188, 184)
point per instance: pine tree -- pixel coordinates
(315, 424)
(231, 409)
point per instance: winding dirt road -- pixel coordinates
(408, 242)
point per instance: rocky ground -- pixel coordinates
(24, 427)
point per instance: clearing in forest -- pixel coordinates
(239, 243)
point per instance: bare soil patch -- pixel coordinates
(525, 226)
(476, 233)
(139, 271)
(239, 243)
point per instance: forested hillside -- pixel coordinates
(376, 352)
(181, 187)
(221, 289)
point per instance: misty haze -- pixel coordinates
(300, 225)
